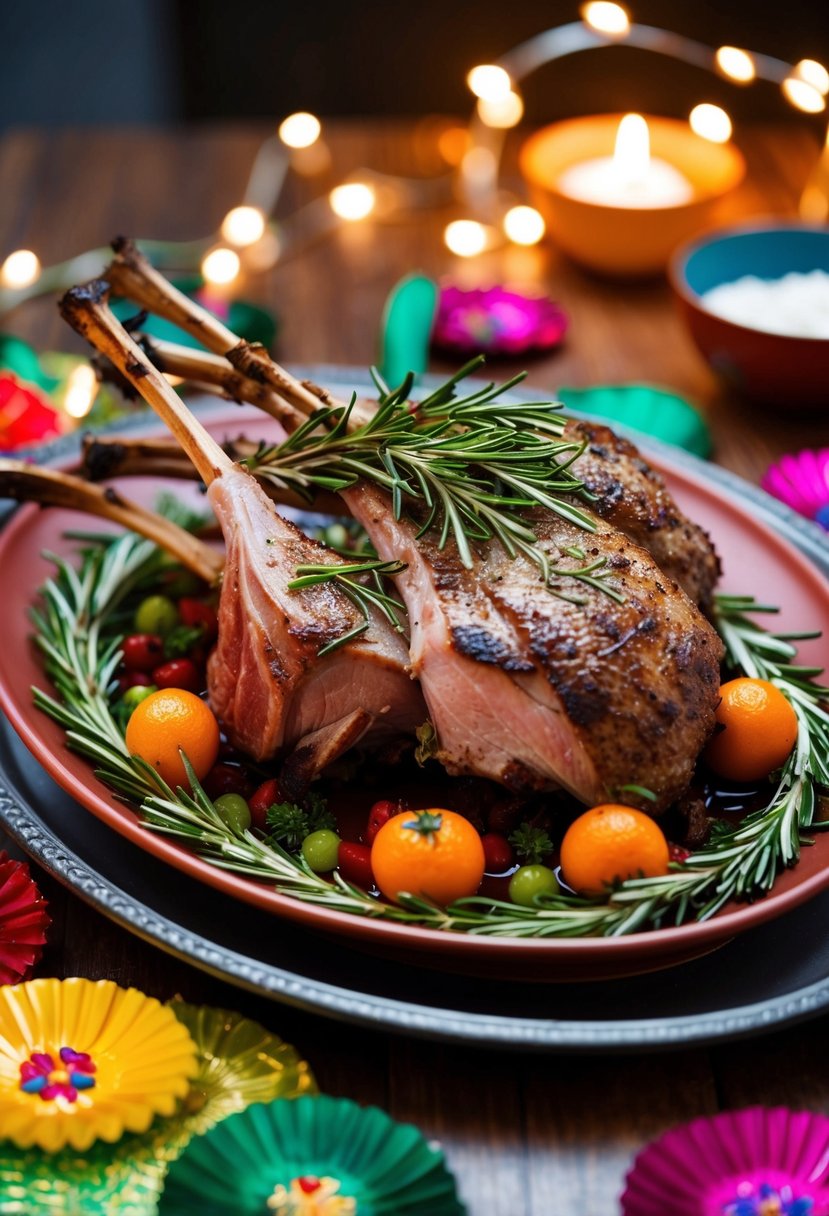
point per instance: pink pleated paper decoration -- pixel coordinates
(801, 481)
(759, 1160)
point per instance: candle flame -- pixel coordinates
(632, 154)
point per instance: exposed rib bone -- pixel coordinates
(104, 457)
(87, 310)
(205, 368)
(131, 275)
(31, 483)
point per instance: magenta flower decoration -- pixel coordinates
(755, 1162)
(496, 321)
(801, 481)
(51, 1079)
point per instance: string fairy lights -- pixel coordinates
(249, 239)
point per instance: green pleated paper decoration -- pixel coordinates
(248, 320)
(653, 411)
(123, 1179)
(239, 1063)
(387, 1168)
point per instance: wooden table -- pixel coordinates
(526, 1136)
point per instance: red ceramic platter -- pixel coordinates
(757, 561)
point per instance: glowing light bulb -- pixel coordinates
(710, 122)
(243, 225)
(736, 64)
(803, 96)
(606, 18)
(465, 238)
(300, 130)
(524, 225)
(81, 390)
(352, 201)
(502, 114)
(20, 269)
(220, 266)
(490, 82)
(813, 73)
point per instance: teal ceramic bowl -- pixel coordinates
(773, 368)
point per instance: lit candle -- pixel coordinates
(631, 177)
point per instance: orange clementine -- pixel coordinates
(611, 842)
(434, 853)
(169, 720)
(756, 730)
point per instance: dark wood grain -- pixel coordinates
(526, 1136)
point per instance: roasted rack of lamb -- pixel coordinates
(521, 685)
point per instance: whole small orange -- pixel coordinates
(436, 853)
(611, 842)
(169, 720)
(756, 730)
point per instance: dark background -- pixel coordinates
(99, 61)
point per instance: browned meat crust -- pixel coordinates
(632, 496)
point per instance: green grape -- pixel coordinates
(320, 850)
(234, 811)
(156, 614)
(529, 881)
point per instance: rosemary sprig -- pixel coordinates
(79, 630)
(468, 467)
(364, 593)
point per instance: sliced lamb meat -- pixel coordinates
(266, 679)
(632, 496)
(536, 692)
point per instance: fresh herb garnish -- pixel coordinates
(289, 823)
(362, 582)
(468, 467)
(79, 630)
(531, 844)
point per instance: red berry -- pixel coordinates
(179, 673)
(308, 1184)
(677, 853)
(379, 814)
(227, 779)
(354, 863)
(142, 651)
(134, 679)
(498, 853)
(197, 612)
(261, 799)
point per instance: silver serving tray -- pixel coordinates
(732, 993)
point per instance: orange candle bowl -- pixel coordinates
(618, 241)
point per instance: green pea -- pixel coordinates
(234, 811)
(336, 536)
(156, 614)
(320, 850)
(134, 696)
(529, 881)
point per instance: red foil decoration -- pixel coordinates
(25, 417)
(23, 921)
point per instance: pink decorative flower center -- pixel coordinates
(42, 1076)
